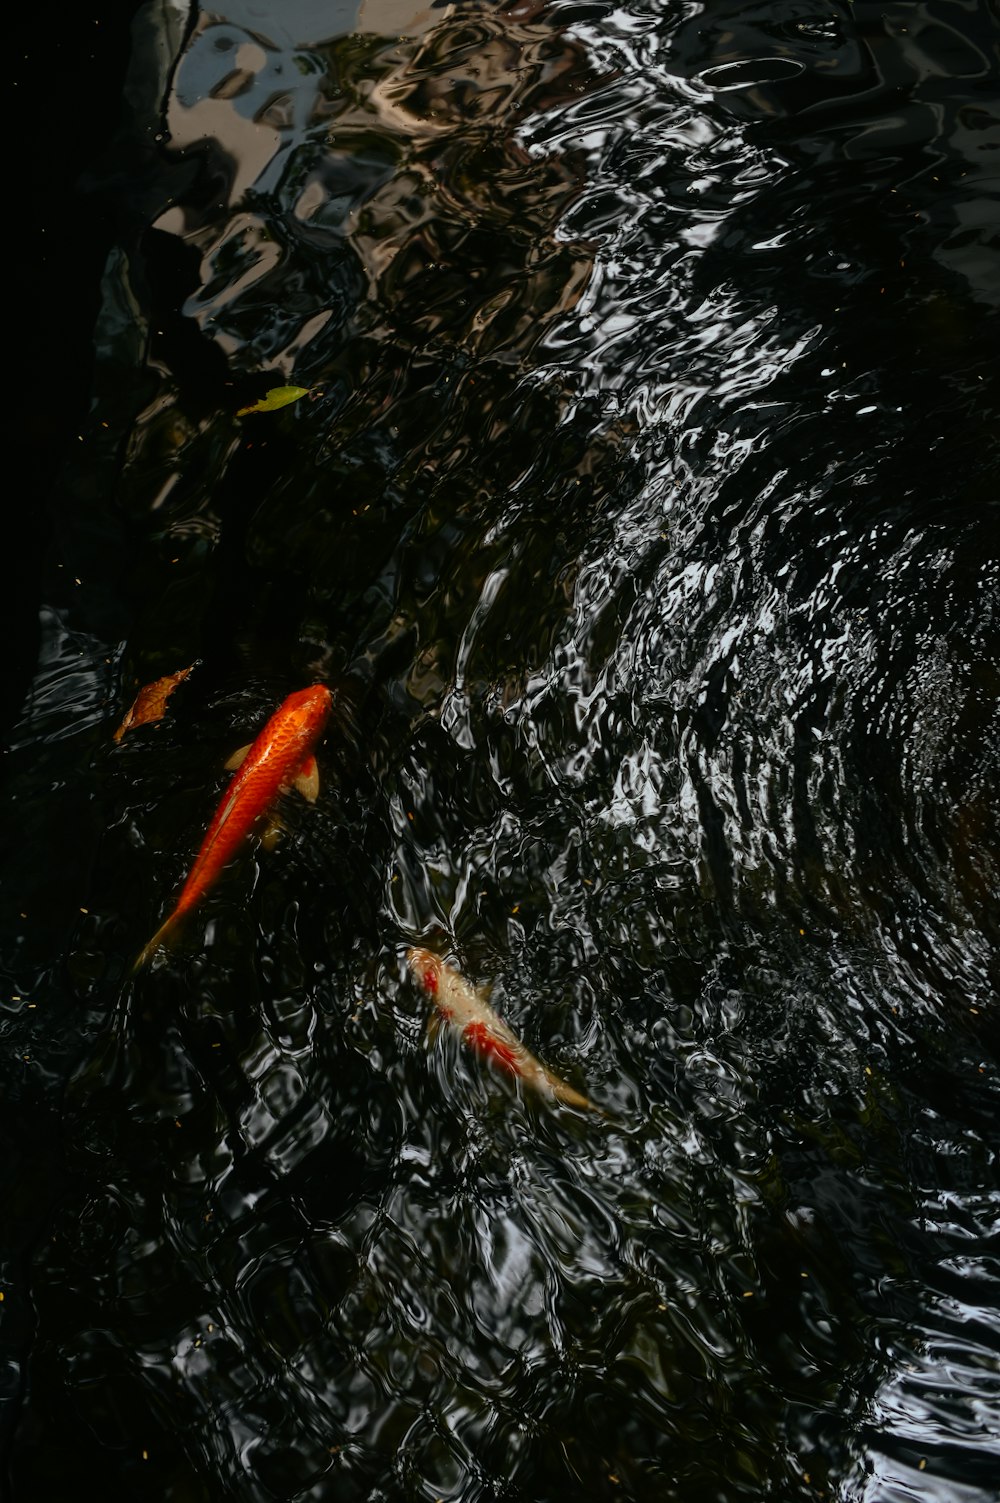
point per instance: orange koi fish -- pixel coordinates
(281, 756)
(467, 1010)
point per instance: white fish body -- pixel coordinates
(466, 1009)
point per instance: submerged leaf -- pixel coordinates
(278, 396)
(151, 702)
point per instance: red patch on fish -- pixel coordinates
(485, 1040)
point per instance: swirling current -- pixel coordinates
(642, 512)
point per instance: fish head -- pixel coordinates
(310, 707)
(426, 967)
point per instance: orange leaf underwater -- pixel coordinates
(151, 702)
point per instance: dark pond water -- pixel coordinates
(643, 512)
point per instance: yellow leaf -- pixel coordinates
(278, 396)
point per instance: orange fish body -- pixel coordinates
(281, 755)
(465, 1008)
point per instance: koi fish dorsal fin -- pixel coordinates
(238, 758)
(307, 779)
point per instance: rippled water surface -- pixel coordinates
(643, 513)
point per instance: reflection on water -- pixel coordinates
(643, 512)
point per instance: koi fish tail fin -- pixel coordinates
(161, 937)
(565, 1093)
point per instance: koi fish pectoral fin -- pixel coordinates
(238, 758)
(433, 1028)
(271, 833)
(307, 779)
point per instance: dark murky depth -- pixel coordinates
(644, 512)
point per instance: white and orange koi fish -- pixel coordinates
(466, 1009)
